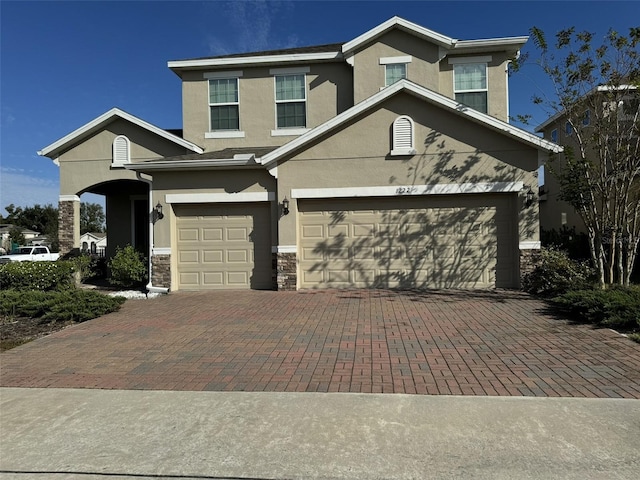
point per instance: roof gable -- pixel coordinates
(426, 95)
(103, 120)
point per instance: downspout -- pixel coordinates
(149, 286)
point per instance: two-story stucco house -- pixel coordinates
(386, 161)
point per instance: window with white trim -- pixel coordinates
(403, 136)
(291, 101)
(394, 72)
(121, 151)
(224, 105)
(470, 85)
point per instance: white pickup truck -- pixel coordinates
(30, 254)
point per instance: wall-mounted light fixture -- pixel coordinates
(158, 212)
(285, 206)
(528, 200)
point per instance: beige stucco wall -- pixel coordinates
(554, 212)
(368, 74)
(451, 149)
(118, 213)
(497, 83)
(89, 163)
(329, 92)
(212, 181)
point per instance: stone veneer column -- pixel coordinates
(161, 271)
(68, 223)
(286, 271)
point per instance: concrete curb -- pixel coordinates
(158, 434)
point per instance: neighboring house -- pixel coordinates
(555, 213)
(5, 231)
(94, 243)
(386, 161)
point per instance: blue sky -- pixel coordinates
(64, 63)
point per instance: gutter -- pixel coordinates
(149, 285)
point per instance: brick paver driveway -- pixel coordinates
(462, 343)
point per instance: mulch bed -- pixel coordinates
(15, 331)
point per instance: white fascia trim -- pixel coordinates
(284, 249)
(289, 71)
(492, 43)
(465, 60)
(287, 132)
(220, 197)
(529, 245)
(292, 58)
(215, 75)
(106, 118)
(221, 134)
(392, 60)
(161, 251)
(69, 198)
(424, 93)
(408, 190)
(186, 164)
(401, 22)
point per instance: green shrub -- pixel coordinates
(72, 305)
(556, 273)
(37, 275)
(81, 305)
(617, 307)
(128, 268)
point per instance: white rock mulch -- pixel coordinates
(134, 294)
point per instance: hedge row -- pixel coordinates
(43, 276)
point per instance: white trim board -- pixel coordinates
(284, 249)
(161, 251)
(103, 120)
(532, 245)
(407, 190)
(220, 197)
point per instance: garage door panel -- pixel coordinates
(338, 231)
(223, 246)
(312, 231)
(188, 256)
(213, 279)
(212, 256)
(212, 234)
(434, 242)
(237, 233)
(188, 234)
(234, 256)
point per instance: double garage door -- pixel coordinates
(224, 246)
(466, 241)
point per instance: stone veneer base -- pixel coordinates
(161, 271)
(286, 271)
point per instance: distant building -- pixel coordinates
(93, 243)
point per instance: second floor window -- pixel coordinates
(223, 104)
(291, 101)
(394, 72)
(470, 85)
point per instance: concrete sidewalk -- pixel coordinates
(87, 434)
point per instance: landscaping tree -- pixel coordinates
(597, 91)
(91, 217)
(43, 219)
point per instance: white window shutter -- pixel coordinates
(403, 136)
(121, 150)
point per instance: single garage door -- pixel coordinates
(224, 246)
(464, 241)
